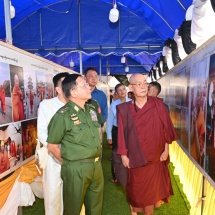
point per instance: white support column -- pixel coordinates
(7, 22)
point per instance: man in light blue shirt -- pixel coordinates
(111, 127)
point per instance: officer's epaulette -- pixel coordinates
(95, 101)
(91, 105)
(63, 109)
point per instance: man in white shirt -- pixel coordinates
(52, 182)
(111, 127)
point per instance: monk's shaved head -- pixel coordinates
(138, 85)
(16, 80)
(135, 77)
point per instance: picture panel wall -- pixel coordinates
(25, 80)
(189, 91)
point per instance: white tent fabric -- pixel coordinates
(168, 53)
(202, 26)
(20, 195)
(178, 40)
(189, 13)
(37, 187)
(113, 82)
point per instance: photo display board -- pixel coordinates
(25, 80)
(189, 91)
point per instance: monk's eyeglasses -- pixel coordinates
(139, 85)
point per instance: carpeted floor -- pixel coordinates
(114, 197)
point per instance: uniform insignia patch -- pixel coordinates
(99, 110)
(76, 108)
(93, 115)
(77, 122)
(74, 118)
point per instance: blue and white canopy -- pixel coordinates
(60, 30)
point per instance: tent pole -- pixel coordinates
(41, 31)
(144, 48)
(119, 31)
(81, 63)
(7, 22)
(100, 66)
(107, 69)
(79, 23)
(79, 36)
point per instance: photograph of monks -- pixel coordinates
(210, 123)
(181, 88)
(181, 94)
(164, 82)
(5, 95)
(198, 102)
(17, 93)
(177, 119)
(184, 137)
(29, 135)
(11, 146)
(49, 86)
(30, 93)
(40, 87)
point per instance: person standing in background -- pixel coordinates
(112, 127)
(130, 95)
(111, 95)
(52, 182)
(115, 96)
(154, 89)
(91, 76)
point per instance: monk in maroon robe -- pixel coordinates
(17, 101)
(4, 160)
(2, 99)
(144, 132)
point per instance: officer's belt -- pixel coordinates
(87, 160)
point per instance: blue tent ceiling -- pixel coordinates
(58, 28)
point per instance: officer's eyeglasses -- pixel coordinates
(139, 85)
(83, 86)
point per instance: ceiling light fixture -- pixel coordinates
(126, 62)
(12, 11)
(114, 13)
(71, 64)
(123, 59)
(126, 69)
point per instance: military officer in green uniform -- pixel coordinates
(75, 126)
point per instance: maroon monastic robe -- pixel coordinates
(149, 183)
(17, 103)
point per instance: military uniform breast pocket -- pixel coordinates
(77, 129)
(97, 127)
